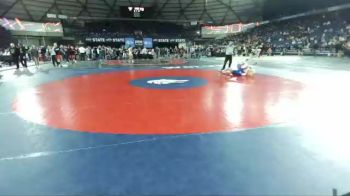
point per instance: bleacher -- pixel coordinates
(138, 28)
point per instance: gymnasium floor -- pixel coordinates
(181, 129)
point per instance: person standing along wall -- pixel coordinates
(82, 53)
(14, 51)
(66, 54)
(43, 53)
(59, 56)
(53, 55)
(102, 53)
(71, 54)
(23, 55)
(34, 52)
(88, 53)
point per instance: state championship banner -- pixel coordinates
(148, 41)
(173, 40)
(19, 27)
(104, 40)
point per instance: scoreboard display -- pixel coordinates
(135, 12)
(213, 31)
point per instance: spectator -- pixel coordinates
(23, 55)
(34, 53)
(82, 53)
(15, 53)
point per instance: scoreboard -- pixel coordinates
(216, 31)
(135, 12)
(213, 31)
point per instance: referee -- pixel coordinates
(228, 55)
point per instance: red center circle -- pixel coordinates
(107, 103)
